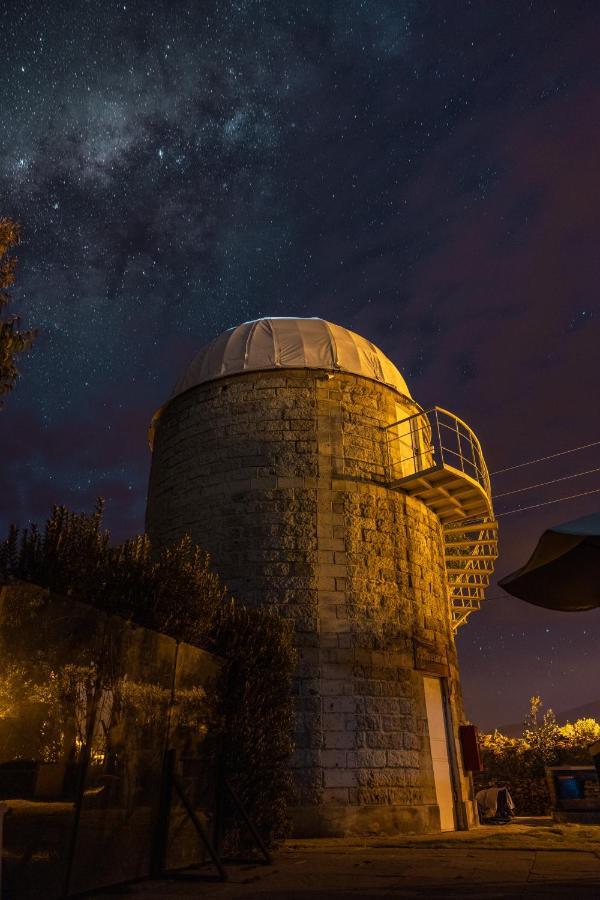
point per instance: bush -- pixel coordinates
(175, 591)
(520, 763)
(258, 713)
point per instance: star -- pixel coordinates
(426, 180)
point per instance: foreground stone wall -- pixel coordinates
(281, 477)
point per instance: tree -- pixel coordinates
(13, 341)
(541, 735)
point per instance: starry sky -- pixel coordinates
(424, 173)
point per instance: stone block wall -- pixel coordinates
(281, 476)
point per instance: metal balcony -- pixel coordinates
(434, 455)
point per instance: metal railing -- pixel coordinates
(435, 439)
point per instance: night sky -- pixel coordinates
(426, 174)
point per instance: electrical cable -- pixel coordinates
(545, 483)
(544, 458)
(509, 512)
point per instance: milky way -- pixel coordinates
(425, 174)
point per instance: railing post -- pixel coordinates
(475, 458)
(459, 445)
(437, 427)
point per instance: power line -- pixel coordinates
(546, 503)
(544, 458)
(545, 483)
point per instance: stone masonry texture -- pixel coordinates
(282, 478)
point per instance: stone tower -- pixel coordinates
(292, 451)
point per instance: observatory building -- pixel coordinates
(292, 450)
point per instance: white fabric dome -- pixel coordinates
(287, 343)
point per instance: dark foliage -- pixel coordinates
(258, 712)
(175, 591)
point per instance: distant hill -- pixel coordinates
(587, 711)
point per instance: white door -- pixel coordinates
(438, 739)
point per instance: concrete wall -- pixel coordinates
(281, 477)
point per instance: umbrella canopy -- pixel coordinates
(564, 570)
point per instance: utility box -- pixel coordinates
(575, 793)
(469, 743)
(595, 754)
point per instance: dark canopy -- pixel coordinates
(563, 572)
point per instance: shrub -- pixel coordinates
(173, 590)
(258, 712)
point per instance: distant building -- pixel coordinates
(292, 450)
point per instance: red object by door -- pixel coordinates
(469, 743)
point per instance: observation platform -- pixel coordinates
(435, 456)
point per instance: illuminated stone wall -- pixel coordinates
(281, 477)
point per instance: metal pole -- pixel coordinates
(158, 863)
(180, 788)
(249, 823)
(219, 805)
(3, 810)
(85, 761)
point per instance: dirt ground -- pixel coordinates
(530, 859)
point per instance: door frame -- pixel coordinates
(460, 815)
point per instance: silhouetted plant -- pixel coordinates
(173, 590)
(541, 737)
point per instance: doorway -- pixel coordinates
(438, 739)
